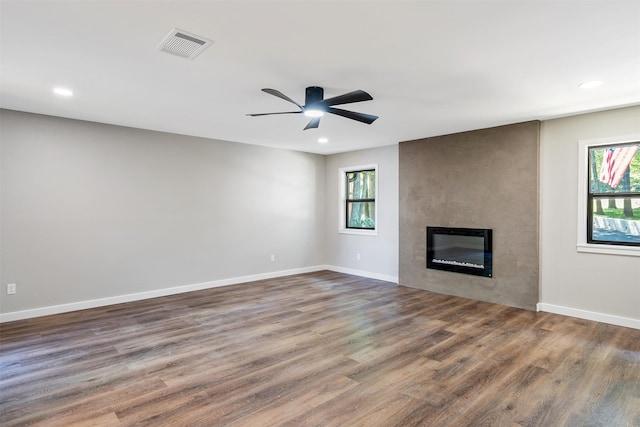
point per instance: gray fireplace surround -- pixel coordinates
(485, 178)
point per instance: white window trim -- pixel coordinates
(583, 164)
(343, 204)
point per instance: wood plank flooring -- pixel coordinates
(318, 349)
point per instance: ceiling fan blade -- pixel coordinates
(281, 96)
(314, 123)
(269, 114)
(361, 117)
(347, 98)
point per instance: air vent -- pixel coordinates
(183, 44)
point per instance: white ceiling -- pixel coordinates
(432, 68)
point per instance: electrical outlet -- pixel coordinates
(273, 258)
(358, 256)
(11, 288)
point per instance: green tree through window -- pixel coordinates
(361, 199)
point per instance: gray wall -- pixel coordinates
(481, 179)
(378, 254)
(92, 211)
(577, 283)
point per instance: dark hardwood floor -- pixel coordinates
(319, 349)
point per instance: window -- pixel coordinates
(358, 209)
(613, 194)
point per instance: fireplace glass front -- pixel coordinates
(460, 250)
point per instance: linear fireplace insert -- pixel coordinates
(461, 250)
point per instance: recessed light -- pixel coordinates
(590, 84)
(323, 140)
(62, 91)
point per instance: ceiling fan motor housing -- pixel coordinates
(312, 95)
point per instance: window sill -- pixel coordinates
(608, 249)
(358, 232)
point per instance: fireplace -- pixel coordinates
(461, 250)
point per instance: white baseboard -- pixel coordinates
(82, 305)
(589, 315)
(386, 278)
(101, 302)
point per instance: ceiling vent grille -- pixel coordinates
(183, 44)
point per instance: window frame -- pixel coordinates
(342, 214)
(585, 201)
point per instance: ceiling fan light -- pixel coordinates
(313, 113)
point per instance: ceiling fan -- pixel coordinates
(315, 107)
